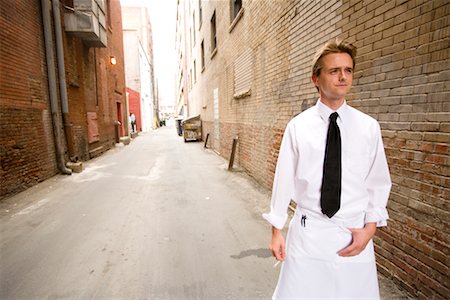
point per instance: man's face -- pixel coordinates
(336, 76)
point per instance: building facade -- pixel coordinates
(139, 65)
(183, 50)
(245, 67)
(62, 89)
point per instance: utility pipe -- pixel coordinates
(48, 39)
(62, 79)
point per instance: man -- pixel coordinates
(332, 164)
(133, 122)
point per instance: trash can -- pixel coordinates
(178, 126)
(192, 129)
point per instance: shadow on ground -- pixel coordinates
(261, 253)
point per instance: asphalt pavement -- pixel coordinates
(157, 219)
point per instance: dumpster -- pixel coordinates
(192, 129)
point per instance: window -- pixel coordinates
(190, 79)
(193, 26)
(202, 49)
(200, 13)
(243, 74)
(195, 73)
(213, 34)
(236, 13)
(236, 6)
(108, 13)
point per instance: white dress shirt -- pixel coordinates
(366, 181)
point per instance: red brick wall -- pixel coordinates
(402, 79)
(116, 74)
(27, 153)
(95, 85)
(134, 100)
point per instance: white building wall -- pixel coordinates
(138, 64)
(131, 53)
(147, 97)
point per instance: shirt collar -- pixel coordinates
(325, 111)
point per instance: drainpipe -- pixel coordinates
(62, 79)
(52, 87)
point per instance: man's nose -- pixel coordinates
(342, 76)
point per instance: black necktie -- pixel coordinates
(330, 198)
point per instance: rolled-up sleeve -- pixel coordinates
(284, 181)
(378, 183)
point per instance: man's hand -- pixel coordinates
(360, 239)
(277, 245)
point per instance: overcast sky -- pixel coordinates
(162, 17)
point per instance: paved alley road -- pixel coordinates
(157, 219)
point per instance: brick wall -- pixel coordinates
(135, 106)
(27, 153)
(402, 79)
(95, 85)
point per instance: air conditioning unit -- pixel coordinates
(87, 21)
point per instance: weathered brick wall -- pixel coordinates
(402, 79)
(27, 153)
(134, 101)
(116, 73)
(94, 85)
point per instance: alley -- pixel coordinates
(157, 219)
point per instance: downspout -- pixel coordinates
(62, 80)
(52, 87)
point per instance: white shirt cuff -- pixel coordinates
(379, 216)
(276, 221)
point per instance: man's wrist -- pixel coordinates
(275, 231)
(371, 228)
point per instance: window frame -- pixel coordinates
(200, 14)
(213, 28)
(202, 54)
(235, 16)
(233, 6)
(193, 26)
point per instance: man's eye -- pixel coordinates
(333, 71)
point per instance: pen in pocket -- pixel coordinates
(303, 221)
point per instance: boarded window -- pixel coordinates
(243, 74)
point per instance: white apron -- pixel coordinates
(313, 270)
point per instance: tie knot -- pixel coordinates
(334, 116)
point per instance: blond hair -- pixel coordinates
(333, 46)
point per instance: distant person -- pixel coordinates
(133, 122)
(332, 164)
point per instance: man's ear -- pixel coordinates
(314, 80)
